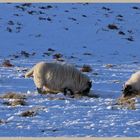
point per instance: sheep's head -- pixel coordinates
(87, 89)
(129, 91)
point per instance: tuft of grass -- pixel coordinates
(109, 65)
(7, 63)
(12, 95)
(28, 113)
(128, 103)
(112, 27)
(86, 68)
(16, 102)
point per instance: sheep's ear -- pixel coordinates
(128, 87)
(90, 83)
(127, 90)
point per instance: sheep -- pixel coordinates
(131, 87)
(57, 77)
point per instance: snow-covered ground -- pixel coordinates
(104, 36)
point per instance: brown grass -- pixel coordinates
(86, 68)
(128, 103)
(56, 98)
(112, 27)
(28, 113)
(16, 102)
(7, 63)
(12, 95)
(109, 65)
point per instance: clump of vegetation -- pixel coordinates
(105, 8)
(28, 113)
(86, 68)
(12, 95)
(86, 53)
(58, 57)
(130, 38)
(109, 65)
(2, 121)
(113, 27)
(95, 73)
(16, 102)
(14, 99)
(51, 50)
(56, 98)
(25, 54)
(128, 103)
(121, 33)
(120, 16)
(7, 63)
(135, 7)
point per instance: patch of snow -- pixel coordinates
(80, 32)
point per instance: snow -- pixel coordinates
(71, 30)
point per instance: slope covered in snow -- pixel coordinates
(103, 36)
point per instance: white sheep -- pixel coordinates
(132, 85)
(56, 77)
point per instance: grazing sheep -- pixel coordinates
(132, 86)
(56, 77)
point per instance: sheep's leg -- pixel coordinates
(39, 82)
